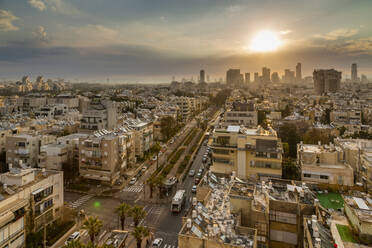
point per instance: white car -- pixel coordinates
(157, 242)
(72, 237)
(132, 181)
(154, 158)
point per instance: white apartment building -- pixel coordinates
(99, 115)
(23, 190)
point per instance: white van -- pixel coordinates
(74, 236)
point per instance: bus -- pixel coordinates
(178, 200)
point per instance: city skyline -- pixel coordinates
(144, 41)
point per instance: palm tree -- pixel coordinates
(137, 214)
(151, 183)
(139, 233)
(123, 211)
(93, 225)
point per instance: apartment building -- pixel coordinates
(102, 156)
(51, 111)
(23, 149)
(69, 100)
(340, 117)
(53, 156)
(187, 106)
(143, 135)
(317, 234)
(40, 191)
(240, 114)
(251, 153)
(324, 164)
(99, 115)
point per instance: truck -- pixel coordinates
(178, 201)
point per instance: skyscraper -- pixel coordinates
(256, 78)
(326, 81)
(202, 76)
(233, 77)
(298, 72)
(354, 72)
(275, 78)
(247, 78)
(266, 75)
(289, 76)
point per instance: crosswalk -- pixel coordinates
(134, 189)
(170, 246)
(80, 201)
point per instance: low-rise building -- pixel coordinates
(53, 156)
(34, 191)
(324, 164)
(252, 153)
(102, 156)
(99, 115)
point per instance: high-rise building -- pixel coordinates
(354, 72)
(298, 72)
(233, 77)
(289, 76)
(202, 76)
(275, 78)
(326, 81)
(364, 79)
(266, 75)
(256, 77)
(247, 78)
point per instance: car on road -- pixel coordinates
(154, 158)
(157, 242)
(204, 159)
(199, 175)
(171, 141)
(144, 168)
(192, 173)
(193, 189)
(133, 181)
(201, 170)
(72, 237)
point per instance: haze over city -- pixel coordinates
(151, 41)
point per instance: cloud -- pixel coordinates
(58, 6)
(284, 32)
(6, 21)
(354, 47)
(37, 4)
(338, 34)
(40, 34)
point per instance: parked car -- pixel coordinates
(133, 181)
(197, 180)
(157, 242)
(154, 158)
(72, 237)
(193, 190)
(192, 173)
(199, 175)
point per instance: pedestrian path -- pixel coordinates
(80, 201)
(134, 189)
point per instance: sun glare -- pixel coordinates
(265, 41)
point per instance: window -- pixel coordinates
(323, 177)
(307, 175)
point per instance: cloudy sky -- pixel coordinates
(152, 40)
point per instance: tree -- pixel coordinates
(123, 211)
(314, 135)
(137, 214)
(290, 170)
(151, 183)
(74, 244)
(326, 116)
(288, 133)
(261, 117)
(93, 225)
(286, 111)
(139, 233)
(168, 127)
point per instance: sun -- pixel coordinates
(265, 41)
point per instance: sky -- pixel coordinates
(149, 41)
